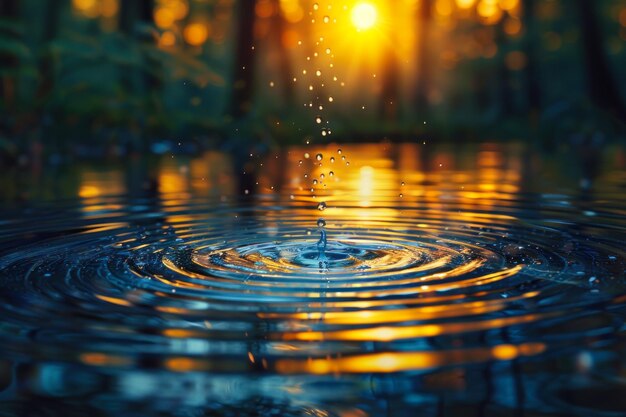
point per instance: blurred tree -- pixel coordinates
(278, 30)
(423, 79)
(132, 14)
(243, 81)
(52, 17)
(504, 74)
(603, 90)
(533, 87)
(390, 89)
(8, 59)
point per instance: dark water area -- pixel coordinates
(479, 280)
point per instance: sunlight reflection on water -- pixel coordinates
(461, 272)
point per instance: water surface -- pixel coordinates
(482, 280)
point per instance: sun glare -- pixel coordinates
(364, 16)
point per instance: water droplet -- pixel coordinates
(324, 132)
(343, 158)
(328, 51)
(291, 197)
(331, 173)
(326, 19)
(321, 206)
(316, 6)
(402, 183)
(321, 223)
(319, 157)
(401, 195)
(322, 176)
(318, 73)
(318, 120)
(330, 99)
(300, 162)
(307, 156)
(339, 151)
(314, 182)
(332, 159)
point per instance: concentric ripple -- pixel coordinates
(189, 283)
(127, 290)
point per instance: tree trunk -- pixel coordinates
(131, 13)
(603, 90)
(504, 75)
(46, 60)
(424, 17)
(390, 89)
(243, 82)
(9, 11)
(532, 76)
(279, 27)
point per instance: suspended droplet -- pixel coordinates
(316, 6)
(326, 19)
(324, 132)
(330, 99)
(321, 223)
(332, 159)
(318, 73)
(343, 158)
(322, 176)
(314, 182)
(401, 195)
(328, 51)
(306, 155)
(402, 183)
(321, 206)
(331, 174)
(319, 157)
(318, 120)
(339, 151)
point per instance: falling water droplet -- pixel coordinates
(319, 157)
(314, 182)
(307, 156)
(324, 132)
(339, 151)
(326, 19)
(321, 206)
(331, 174)
(328, 51)
(321, 223)
(322, 176)
(316, 6)
(318, 120)
(332, 159)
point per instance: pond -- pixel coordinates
(472, 280)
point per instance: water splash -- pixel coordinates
(322, 244)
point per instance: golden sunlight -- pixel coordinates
(364, 16)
